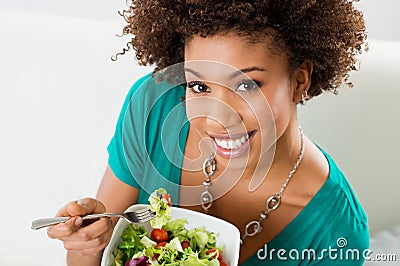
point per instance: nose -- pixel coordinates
(222, 109)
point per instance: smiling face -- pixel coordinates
(239, 95)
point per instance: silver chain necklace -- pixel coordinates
(253, 227)
(209, 167)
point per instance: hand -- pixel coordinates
(84, 240)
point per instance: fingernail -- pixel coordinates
(82, 203)
(78, 221)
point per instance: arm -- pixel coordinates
(85, 244)
(114, 194)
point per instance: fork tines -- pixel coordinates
(143, 211)
(144, 215)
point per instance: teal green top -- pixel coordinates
(146, 153)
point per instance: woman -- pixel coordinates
(245, 66)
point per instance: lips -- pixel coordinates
(232, 145)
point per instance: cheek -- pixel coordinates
(193, 116)
(198, 125)
(193, 107)
(274, 107)
(281, 107)
(195, 112)
(258, 112)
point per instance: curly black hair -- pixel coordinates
(328, 33)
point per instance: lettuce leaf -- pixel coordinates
(175, 226)
(202, 238)
(193, 260)
(160, 205)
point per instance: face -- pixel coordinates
(239, 96)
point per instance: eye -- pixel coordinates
(197, 87)
(247, 85)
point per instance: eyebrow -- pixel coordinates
(231, 76)
(197, 74)
(245, 70)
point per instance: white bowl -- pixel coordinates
(228, 236)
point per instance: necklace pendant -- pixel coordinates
(209, 166)
(206, 200)
(251, 229)
(273, 202)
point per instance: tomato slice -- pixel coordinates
(159, 235)
(221, 263)
(185, 244)
(161, 244)
(218, 254)
(168, 198)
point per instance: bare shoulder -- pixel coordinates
(315, 161)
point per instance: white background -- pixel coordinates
(60, 96)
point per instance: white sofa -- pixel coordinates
(61, 94)
(385, 247)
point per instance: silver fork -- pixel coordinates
(139, 216)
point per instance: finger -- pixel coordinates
(73, 209)
(89, 232)
(91, 247)
(93, 244)
(63, 212)
(64, 229)
(92, 205)
(81, 207)
(84, 206)
(86, 243)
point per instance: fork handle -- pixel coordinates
(41, 223)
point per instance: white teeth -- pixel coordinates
(238, 143)
(224, 144)
(232, 144)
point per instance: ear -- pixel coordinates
(301, 80)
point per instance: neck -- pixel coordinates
(279, 160)
(288, 146)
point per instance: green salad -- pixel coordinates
(169, 243)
